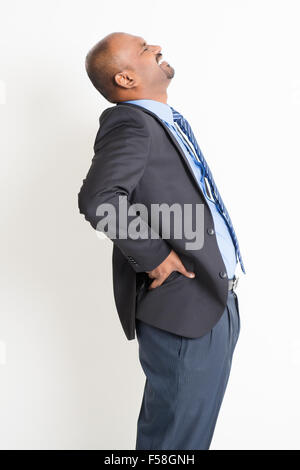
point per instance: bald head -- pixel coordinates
(102, 63)
(123, 67)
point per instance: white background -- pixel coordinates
(68, 376)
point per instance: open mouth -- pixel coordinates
(159, 59)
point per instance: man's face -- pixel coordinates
(145, 60)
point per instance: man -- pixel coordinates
(179, 298)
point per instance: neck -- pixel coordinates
(161, 97)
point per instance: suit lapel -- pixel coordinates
(173, 139)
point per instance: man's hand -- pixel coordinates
(170, 264)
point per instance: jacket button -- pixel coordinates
(222, 274)
(210, 231)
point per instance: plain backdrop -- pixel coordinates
(69, 378)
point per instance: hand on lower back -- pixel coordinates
(170, 264)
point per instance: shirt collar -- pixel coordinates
(162, 110)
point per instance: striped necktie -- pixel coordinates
(186, 128)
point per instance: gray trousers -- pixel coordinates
(185, 384)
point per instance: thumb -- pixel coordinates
(186, 273)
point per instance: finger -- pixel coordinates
(153, 285)
(156, 283)
(151, 276)
(183, 271)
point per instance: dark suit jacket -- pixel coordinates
(137, 157)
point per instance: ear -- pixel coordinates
(125, 79)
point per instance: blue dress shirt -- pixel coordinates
(224, 240)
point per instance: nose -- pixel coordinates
(156, 49)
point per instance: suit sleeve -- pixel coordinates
(121, 150)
